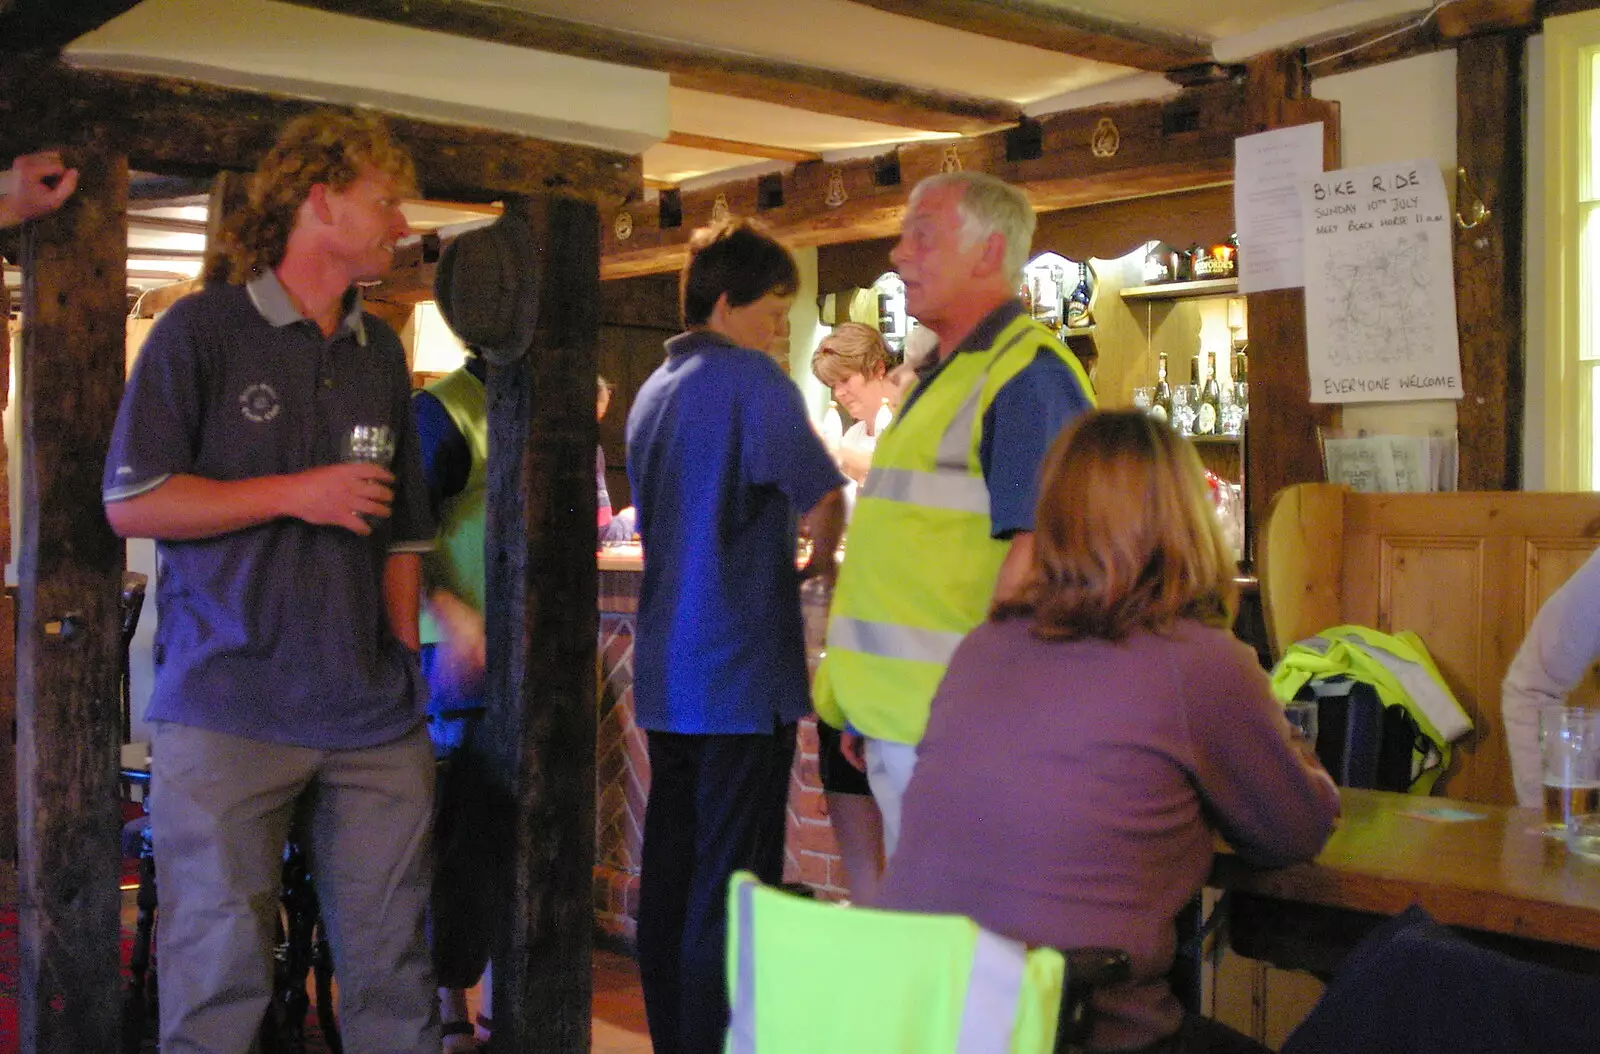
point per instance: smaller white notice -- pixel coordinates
(1268, 170)
(1380, 285)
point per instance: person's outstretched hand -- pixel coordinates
(41, 182)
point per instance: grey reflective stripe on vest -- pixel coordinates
(742, 1019)
(957, 439)
(890, 641)
(989, 1015)
(957, 492)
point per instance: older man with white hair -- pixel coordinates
(944, 522)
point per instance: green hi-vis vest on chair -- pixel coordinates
(807, 976)
(456, 564)
(1403, 674)
(920, 563)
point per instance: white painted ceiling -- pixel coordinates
(269, 45)
(260, 43)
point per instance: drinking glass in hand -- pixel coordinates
(369, 443)
(373, 444)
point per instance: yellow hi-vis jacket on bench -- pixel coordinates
(807, 976)
(920, 562)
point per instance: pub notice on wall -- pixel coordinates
(1380, 285)
(1268, 169)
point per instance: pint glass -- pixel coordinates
(1569, 751)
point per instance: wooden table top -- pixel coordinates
(1496, 874)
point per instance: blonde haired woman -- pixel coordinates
(854, 362)
(1087, 738)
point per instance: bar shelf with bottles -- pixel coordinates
(1060, 293)
(1191, 309)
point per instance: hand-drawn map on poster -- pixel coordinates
(1380, 286)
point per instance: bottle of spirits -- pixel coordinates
(1161, 403)
(1239, 410)
(1078, 301)
(1026, 294)
(1207, 414)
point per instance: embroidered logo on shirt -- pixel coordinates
(259, 403)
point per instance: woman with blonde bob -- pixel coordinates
(854, 362)
(1090, 739)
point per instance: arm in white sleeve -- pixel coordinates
(1561, 645)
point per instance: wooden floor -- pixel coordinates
(618, 1022)
(619, 1026)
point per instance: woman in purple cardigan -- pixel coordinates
(1090, 738)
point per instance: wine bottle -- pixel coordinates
(1241, 380)
(1206, 415)
(1161, 404)
(1078, 300)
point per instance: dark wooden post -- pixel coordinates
(539, 736)
(1283, 443)
(70, 573)
(8, 611)
(1488, 260)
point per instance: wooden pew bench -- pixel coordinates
(1465, 571)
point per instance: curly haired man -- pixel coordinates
(286, 682)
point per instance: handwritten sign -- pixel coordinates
(1380, 287)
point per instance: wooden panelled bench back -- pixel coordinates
(1466, 572)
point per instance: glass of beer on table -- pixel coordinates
(1569, 751)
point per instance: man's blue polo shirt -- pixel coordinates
(721, 457)
(275, 632)
(1021, 423)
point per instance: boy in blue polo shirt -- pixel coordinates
(721, 458)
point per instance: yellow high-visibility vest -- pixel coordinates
(457, 563)
(806, 976)
(921, 564)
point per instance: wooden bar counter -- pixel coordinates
(1495, 877)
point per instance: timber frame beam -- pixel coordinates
(1444, 28)
(169, 125)
(1080, 157)
(702, 69)
(1057, 29)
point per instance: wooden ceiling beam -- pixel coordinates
(1056, 29)
(702, 69)
(189, 128)
(165, 224)
(1406, 37)
(733, 146)
(142, 252)
(1143, 148)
